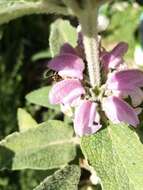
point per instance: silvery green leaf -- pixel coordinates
(61, 32)
(50, 145)
(64, 179)
(11, 9)
(116, 153)
(25, 120)
(40, 97)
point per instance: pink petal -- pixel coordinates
(110, 62)
(125, 80)
(120, 94)
(104, 59)
(71, 73)
(120, 49)
(114, 58)
(136, 96)
(86, 119)
(66, 91)
(118, 111)
(67, 65)
(114, 62)
(67, 48)
(73, 96)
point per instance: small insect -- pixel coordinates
(56, 77)
(49, 75)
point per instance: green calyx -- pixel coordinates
(97, 93)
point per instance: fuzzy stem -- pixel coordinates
(88, 21)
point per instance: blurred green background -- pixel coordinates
(22, 68)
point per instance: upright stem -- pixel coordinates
(87, 13)
(88, 21)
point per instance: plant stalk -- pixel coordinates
(89, 24)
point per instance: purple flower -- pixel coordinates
(125, 80)
(67, 48)
(67, 65)
(70, 92)
(127, 83)
(66, 92)
(114, 58)
(86, 120)
(118, 111)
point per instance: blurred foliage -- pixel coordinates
(18, 74)
(19, 40)
(124, 20)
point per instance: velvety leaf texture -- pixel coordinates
(50, 145)
(65, 179)
(11, 9)
(61, 32)
(40, 97)
(25, 120)
(116, 153)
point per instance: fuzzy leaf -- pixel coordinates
(11, 9)
(65, 179)
(116, 153)
(44, 54)
(61, 32)
(25, 120)
(48, 146)
(40, 97)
